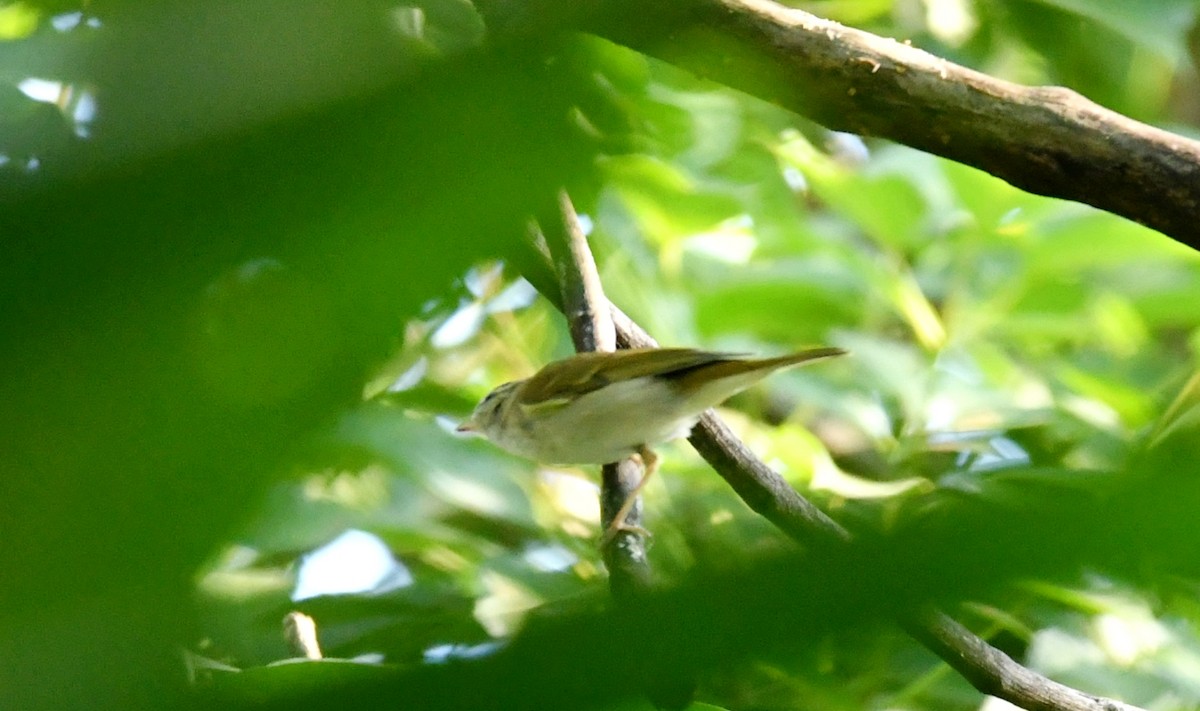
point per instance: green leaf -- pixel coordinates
(294, 678)
(1154, 25)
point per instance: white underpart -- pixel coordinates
(609, 424)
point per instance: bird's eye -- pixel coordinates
(493, 400)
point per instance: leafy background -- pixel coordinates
(1004, 346)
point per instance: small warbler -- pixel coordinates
(595, 408)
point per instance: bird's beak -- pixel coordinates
(466, 427)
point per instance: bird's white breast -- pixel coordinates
(606, 425)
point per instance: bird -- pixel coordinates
(601, 407)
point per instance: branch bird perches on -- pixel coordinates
(767, 493)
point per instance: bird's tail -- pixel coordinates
(714, 382)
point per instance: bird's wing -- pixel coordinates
(563, 381)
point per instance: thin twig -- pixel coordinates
(300, 632)
(761, 487)
(766, 492)
(589, 316)
(993, 672)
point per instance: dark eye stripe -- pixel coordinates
(495, 397)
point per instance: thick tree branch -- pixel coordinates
(1046, 140)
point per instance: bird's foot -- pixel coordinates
(649, 466)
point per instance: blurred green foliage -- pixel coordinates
(231, 340)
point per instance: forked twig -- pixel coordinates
(767, 493)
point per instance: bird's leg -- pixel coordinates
(649, 466)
